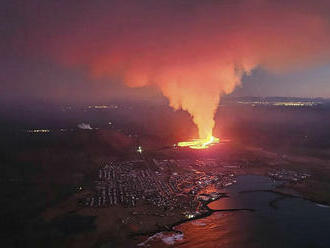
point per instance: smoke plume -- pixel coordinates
(193, 51)
(85, 126)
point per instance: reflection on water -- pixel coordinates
(288, 222)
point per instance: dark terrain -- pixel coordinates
(41, 170)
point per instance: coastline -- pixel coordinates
(208, 211)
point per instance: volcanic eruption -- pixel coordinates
(193, 51)
(200, 143)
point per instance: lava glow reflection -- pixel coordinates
(200, 143)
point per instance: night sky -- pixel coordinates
(83, 51)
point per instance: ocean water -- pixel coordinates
(279, 222)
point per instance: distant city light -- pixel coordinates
(38, 131)
(139, 149)
(190, 216)
(282, 103)
(101, 107)
(112, 106)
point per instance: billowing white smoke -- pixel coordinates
(85, 126)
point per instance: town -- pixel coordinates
(126, 182)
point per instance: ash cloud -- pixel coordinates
(193, 51)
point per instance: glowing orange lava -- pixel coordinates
(200, 143)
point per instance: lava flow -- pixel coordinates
(200, 143)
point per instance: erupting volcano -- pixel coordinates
(200, 143)
(193, 53)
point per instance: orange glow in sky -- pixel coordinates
(193, 53)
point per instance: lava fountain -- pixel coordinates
(200, 143)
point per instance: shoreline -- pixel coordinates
(208, 211)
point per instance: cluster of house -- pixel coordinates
(124, 183)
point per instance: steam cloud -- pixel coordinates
(194, 51)
(84, 126)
